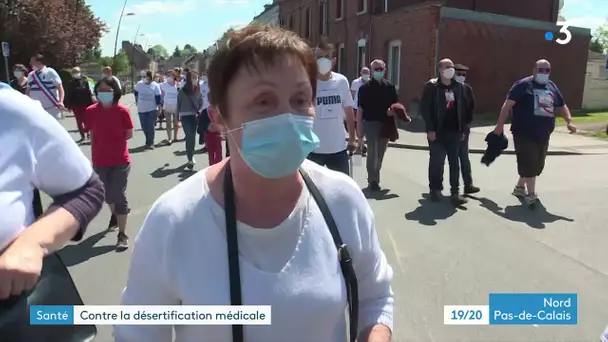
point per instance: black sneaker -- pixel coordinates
(435, 195)
(458, 200)
(113, 223)
(471, 189)
(122, 242)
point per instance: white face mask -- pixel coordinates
(448, 73)
(18, 74)
(459, 79)
(170, 79)
(76, 75)
(541, 78)
(324, 65)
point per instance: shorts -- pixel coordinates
(531, 155)
(171, 114)
(114, 179)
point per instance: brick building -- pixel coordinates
(498, 40)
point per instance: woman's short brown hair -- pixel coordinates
(19, 67)
(251, 45)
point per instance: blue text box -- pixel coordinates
(534, 308)
(51, 315)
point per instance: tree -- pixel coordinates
(120, 63)
(189, 50)
(599, 41)
(62, 32)
(158, 51)
(93, 55)
(177, 52)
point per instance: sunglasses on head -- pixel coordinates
(544, 70)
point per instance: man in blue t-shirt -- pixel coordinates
(534, 100)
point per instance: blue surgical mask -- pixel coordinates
(169, 79)
(105, 97)
(365, 77)
(276, 146)
(378, 75)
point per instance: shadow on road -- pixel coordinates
(183, 153)
(534, 218)
(76, 254)
(165, 171)
(381, 195)
(139, 149)
(428, 212)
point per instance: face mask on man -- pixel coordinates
(541, 78)
(76, 75)
(365, 77)
(169, 78)
(324, 65)
(204, 78)
(276, 146)
(378, 75)
(448, 73)
(18, 74)
(460, 79)
(107, 77)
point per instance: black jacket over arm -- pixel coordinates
(433, 105)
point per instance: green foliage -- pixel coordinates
(158, 51)
(65, 75)
(599, 42)
(177, 52)
(120, 63)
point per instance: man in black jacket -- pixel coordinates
(443, 108)
(78, 97)
(465, 161)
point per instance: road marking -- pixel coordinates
(397, 254)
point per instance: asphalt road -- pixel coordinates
(441, 256)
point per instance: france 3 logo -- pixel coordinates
(564, 36)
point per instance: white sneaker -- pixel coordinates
(519, 192)
(531, 198)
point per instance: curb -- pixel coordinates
(482, 151)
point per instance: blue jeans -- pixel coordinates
(189, 126)
(148, 125)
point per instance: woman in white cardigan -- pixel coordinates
(263, 198)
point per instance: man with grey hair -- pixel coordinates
(375, 99)
(443, 109)
(534, 101)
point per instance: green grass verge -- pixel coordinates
(590, 118)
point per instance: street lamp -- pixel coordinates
(122, 14)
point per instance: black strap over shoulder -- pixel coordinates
(346, 262)
(344, 257)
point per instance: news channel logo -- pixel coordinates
(562, 37)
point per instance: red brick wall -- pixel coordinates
(543, 10)
(499, 55)
(415, 28)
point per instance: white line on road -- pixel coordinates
(397, 254)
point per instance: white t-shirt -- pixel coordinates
(205, 91)
(146, 96)
(180, 258)
(332, 97)
(39, 154)
(170, 98)
(50, 80)
(357, 83)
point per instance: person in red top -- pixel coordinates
(213, 141)
(111, 126)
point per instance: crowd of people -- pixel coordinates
(266, 218)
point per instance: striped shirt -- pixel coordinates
(50, 80)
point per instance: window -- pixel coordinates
(361, 6)
(394, 62)
(341, 54)
(361, 54)
(291, 22)
(339, 9)
(307, 24)
(323, 18)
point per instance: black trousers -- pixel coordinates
(446, 144)
(465, 161)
